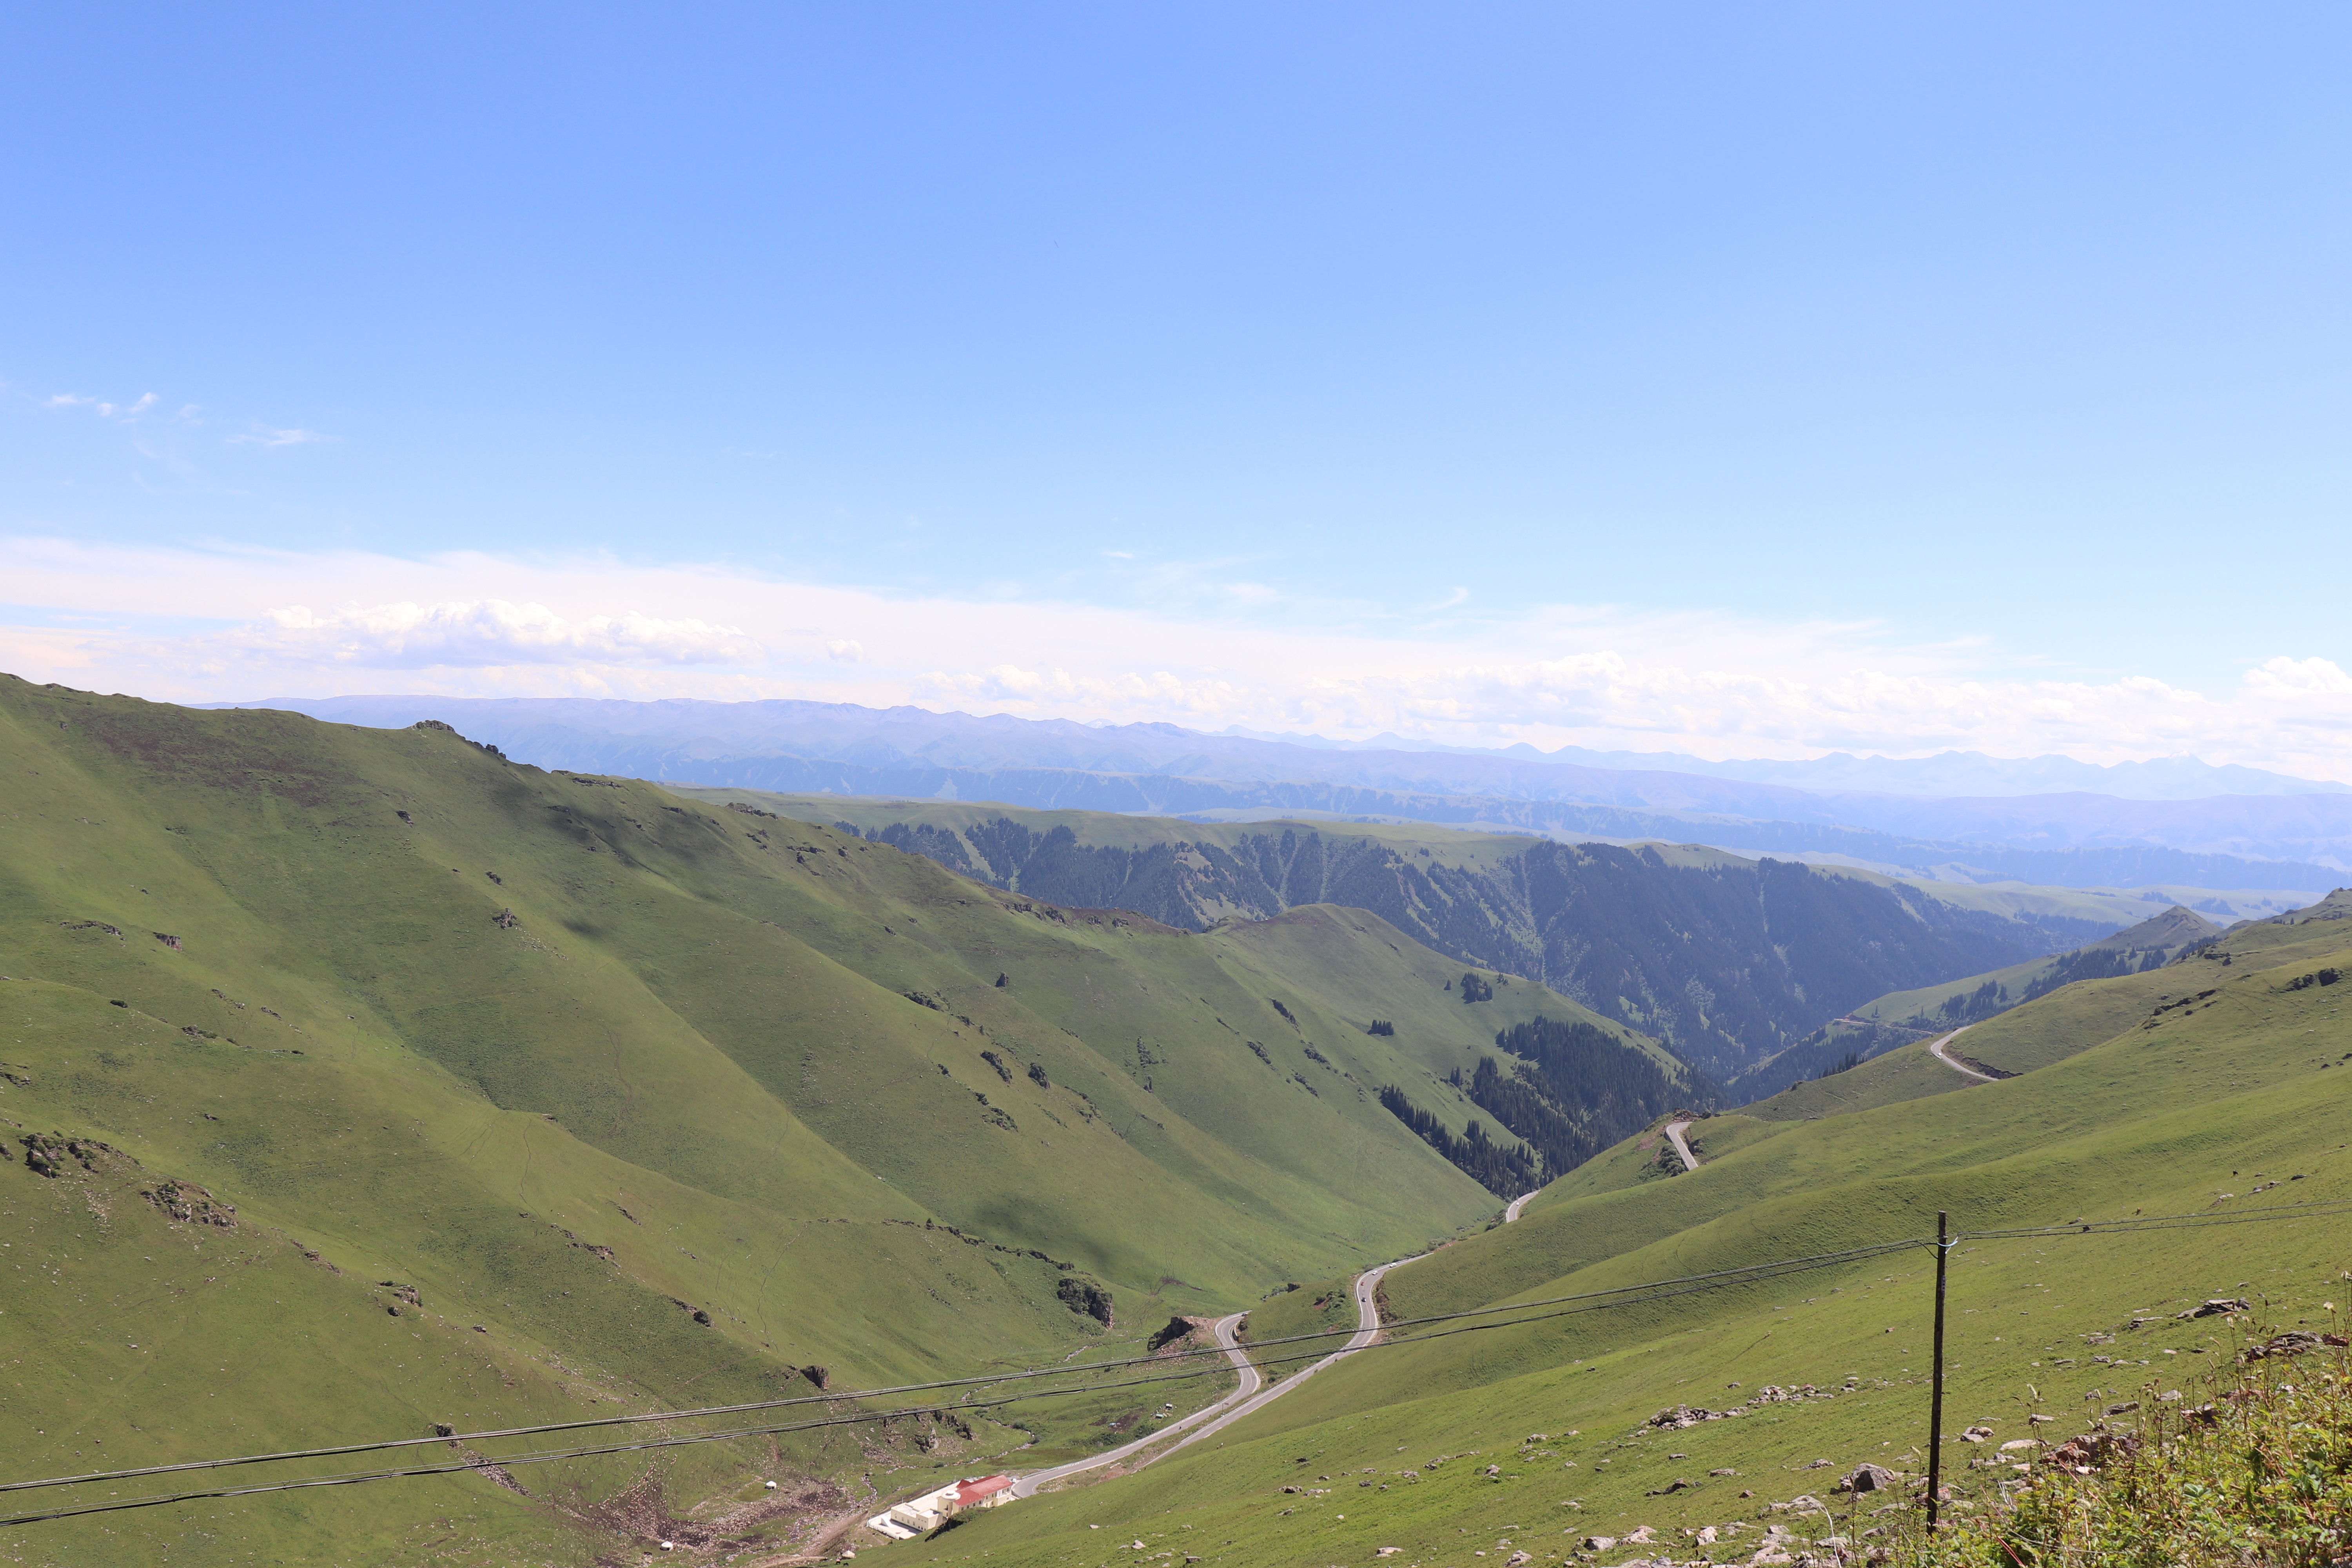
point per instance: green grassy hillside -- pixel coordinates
(1533, 1437)
(623, 1103)
(1727, 961)
(1904, 1017)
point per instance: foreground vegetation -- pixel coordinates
(2260, 1471)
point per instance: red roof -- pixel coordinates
(979, 1487)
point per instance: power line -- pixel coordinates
(1586, 1301)
(1717, 1279)
(1569, 1305)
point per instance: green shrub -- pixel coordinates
(2260, 1473)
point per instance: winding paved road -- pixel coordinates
(1254, 1394)
(1227, 1328)
(1674, 1137)
(1936, 1049)
(1368, 1331)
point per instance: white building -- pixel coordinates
(921, 1515)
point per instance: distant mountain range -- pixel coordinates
(1946, 774)
(2231, 839)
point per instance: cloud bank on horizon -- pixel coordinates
(194, 625)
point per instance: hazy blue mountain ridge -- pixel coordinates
(1944, 774)
(2279, 841)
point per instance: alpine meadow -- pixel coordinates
(368, 1087)
(1538, 786)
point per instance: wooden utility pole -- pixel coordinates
(1936, 1387)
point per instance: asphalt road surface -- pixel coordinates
(1936, 1049)
(1254, 1394)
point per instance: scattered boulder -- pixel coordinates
(191, 1205)
(48, 1153)
(2294, 1342)
(2081, 1455)
(1867, 1478)
(2216, 1305)
(1802, 1503)
(1682, 1415)
(1976, 1434)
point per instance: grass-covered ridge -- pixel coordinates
(2235, 1096)
(1905, 1017)
(643, 1102)
(1725, 958)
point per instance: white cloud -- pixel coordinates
(103, 409)
(1588, 674)
(263, 436)
(472, 634)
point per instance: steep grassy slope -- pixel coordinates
(2150, 945)
(2236, 1102)
(1726, 960)
(2060, 1022)
(623, 1103)
(1905, 1017)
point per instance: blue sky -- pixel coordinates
(1992, 347)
